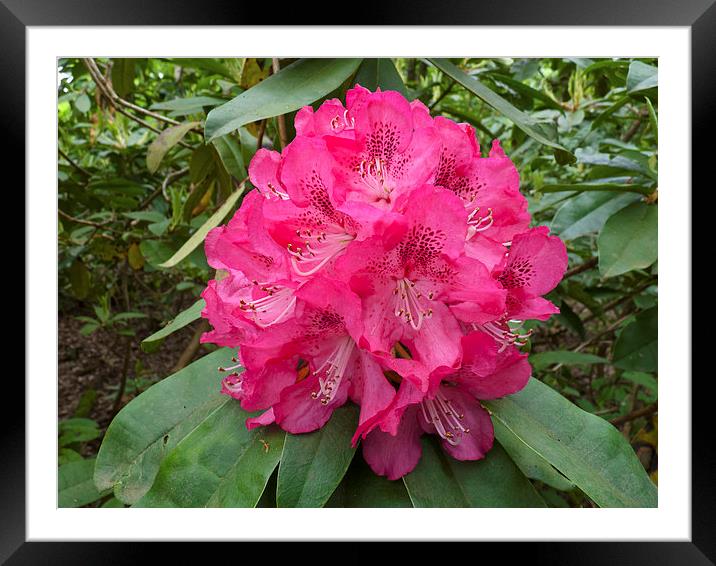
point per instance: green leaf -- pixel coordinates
(653, 119)
(75, 485)
(361, 487)
(628, 240)
(79, 279)
(164, 142)
(231, 157)
(374, 73)
(313, 464)
(527, 460)
(646, 380)
(153, 423)
(439, 480)
(637, 345)
(526, 90)
(300, 83)
(82, 103)
(185, 317)
(201, 164)
(641, 77)
(78, 430)
(188, 105)
(597, 186)
(123, 76)
(218, 464)
(523, 121)
(198, 237)
(587, 212)
(546, 359)
(583, 447)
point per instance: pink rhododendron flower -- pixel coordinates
(382, 260)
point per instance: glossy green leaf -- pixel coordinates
(201, 164)
(218, 464)
(75, 485)
(544, 359)
(527, 460)
(231, 156)
(82, 103)
(587, 212)
(495, 481)
(313, 464)
(197, 238)
(374, 73)
(185, 317)
(583, 447)
(523, 121)
(300, 83)
(526, 90)
(361, 487)
(164, 142)
(628, 240)
(637, 347)
(145, 430)
(78, 430)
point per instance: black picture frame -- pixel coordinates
(699, 15)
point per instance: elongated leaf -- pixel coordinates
(313, 464)
(527, 460)
(638, 344)
(153, 423)
(583, 447)
(164, 142)
(300, 83)
(193, 103)
(218, 464)
(180, 321)
(527, 90)
(597, 186)
(374, 73)
(628, 240)
(361, 487)
(75, 485)
(587, 212)
(123, 76)
(526, 123)
(229, 151)
(198, 237)
(495, 481)
(545, 359)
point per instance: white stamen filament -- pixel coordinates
(373, 175)
(279, 193)
(331, 371)
(477, 223)
(346, 125)
(273, 308)
(408, 303)
(318, 251)
(503, 334)
(445, 418)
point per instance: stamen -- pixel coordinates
(279, 193)
(503, 335)
(319, 250)
(408, 303)
(373, 175)
(271, 309)
(478, 223)
(332, 370)
(446, 419)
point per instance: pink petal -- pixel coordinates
(394, 456)
(298, 411)
(263, 419)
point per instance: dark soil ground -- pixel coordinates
(96, 362)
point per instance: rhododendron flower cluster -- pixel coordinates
(382, 260)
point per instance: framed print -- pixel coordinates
(359, 283)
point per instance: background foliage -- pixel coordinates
(153, 153)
